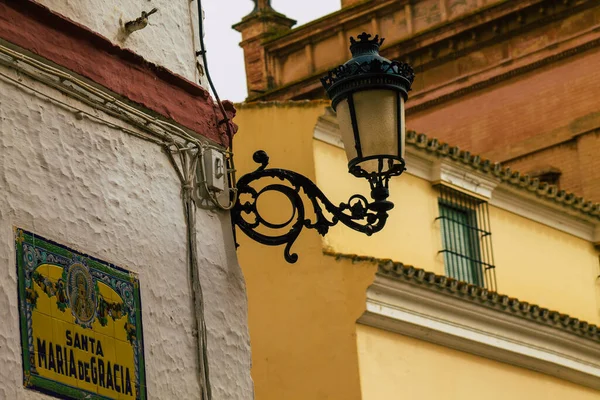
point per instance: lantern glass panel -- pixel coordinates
(377, 113)
(345, 123)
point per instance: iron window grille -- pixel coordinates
(466, 238)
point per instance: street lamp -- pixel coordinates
(368, 94)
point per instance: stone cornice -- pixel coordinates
(446, 172)
(550, 195)
(503, 71)
(310, 31)
(547, 213)
(454, 38)
(398, 271)
(454, 314)
(347, 18)
(476, 31)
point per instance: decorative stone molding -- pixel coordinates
(428, 46)
(463, 322)
(544, 212)
(327, 129)
(417, 165)
(463, 177)
(522, 183)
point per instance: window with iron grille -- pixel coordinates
(466, 238)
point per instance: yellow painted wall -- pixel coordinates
(394, 366)
(301, 316)
(534, 262)
(410, 235)
(541, 265)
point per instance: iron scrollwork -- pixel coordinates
(357, 213)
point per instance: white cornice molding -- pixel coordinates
(450, 321)
(539, 210)
(419, 166)
(464, 177)
(327, 130)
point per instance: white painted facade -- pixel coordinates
(76, 175)
(170, 39)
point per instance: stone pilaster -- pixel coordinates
(257, 27)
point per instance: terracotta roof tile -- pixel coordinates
(514, 178)
(467, 291)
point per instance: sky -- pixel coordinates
(225, 57)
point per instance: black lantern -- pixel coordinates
(368, 94)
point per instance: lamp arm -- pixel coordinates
(357, 213)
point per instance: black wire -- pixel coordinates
(202, 53)
(226, 119)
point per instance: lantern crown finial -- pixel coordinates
(364, 44)
(366, 70)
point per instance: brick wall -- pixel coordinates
(577, 159)
(544, 118)
(589, 164)
(565, 157)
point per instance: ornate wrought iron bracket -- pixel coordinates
(357, 213)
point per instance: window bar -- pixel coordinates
(491, 250)
(483, 232)
(485, 246)
(467, 258)
(468, 264)
(462, 203)
(485, 241)
(452, 261)
(476, 267)
(482, 247)
(467, 238)
(444, 231)
(459, 248)
(458, 261)
(455, 265)
(445, 238)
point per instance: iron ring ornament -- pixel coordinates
(357, 213)
(370, 86)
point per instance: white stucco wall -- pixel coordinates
(170, 39)
(116, 197)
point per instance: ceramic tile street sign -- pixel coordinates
(81, 323)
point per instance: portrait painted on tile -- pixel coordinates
(80, 319)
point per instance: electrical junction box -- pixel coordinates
(214, 168)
